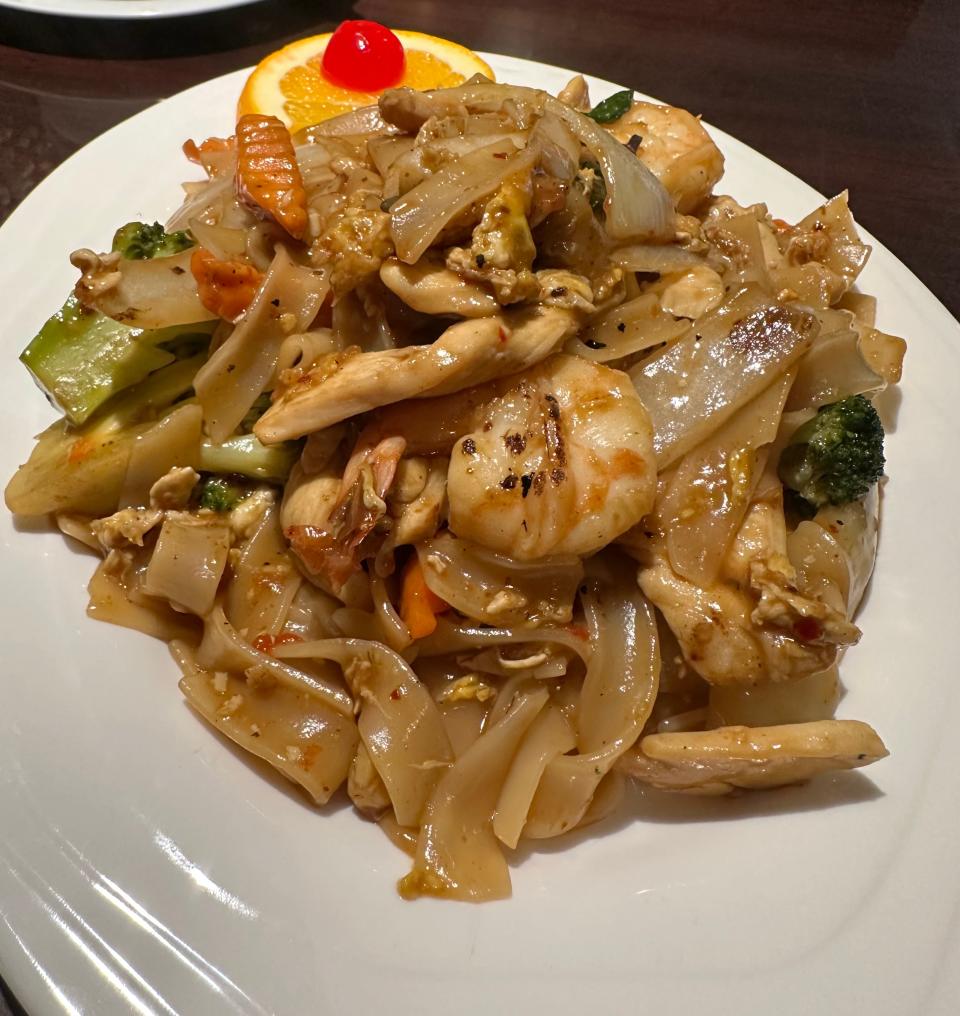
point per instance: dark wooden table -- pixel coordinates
(862, 95)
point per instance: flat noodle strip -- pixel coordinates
(392, 629)
(627, 329)
(398, 722)
(450, 638)
(110, 602)
(735, 352)
(230, 381)
(495, 589)
(615, 703)
(174, 441)
(223, 649)
(835, 367)
(458, 855)
(264, 581)
(714, 484)
(188, 562)
(622, 676)
(550, 736)
(291, 729)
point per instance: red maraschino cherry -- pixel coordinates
(363, 56)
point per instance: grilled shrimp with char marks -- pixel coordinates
(555, 460)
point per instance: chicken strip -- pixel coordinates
(468, 353)
(753, 624)
(717, 761)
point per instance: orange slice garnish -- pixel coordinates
(290, 83)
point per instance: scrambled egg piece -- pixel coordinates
(502, 249)
(469, 687)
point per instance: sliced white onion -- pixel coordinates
(224, 243)
(419, 216)
(637, 206)
(366, 120)
(155, 293)
(660, 258)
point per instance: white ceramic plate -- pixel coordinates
(122, 8)
(146, 867)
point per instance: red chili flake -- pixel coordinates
(807, 629)
(83, 447)
(396, 694)
(263, 643)
(579, 630)
(503, 334)
(266, 643)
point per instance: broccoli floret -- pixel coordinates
(139, 241)
(837, 456)
(222, 493)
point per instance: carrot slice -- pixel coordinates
(268, 174)
(419, 605)
(226, 288)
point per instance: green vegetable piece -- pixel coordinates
(82, 469)
(244, 455)
(80, 357)
(140, 241)
(613, 107)
(222, 493)
(594, 186)
(837, 456)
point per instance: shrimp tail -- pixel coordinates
(334, 550)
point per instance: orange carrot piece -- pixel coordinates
(226, 288)
(419, 605)
(268, 174)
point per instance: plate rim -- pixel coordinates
(122, 10)
(25, 981)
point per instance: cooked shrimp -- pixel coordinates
(674, 145)
(751, 625)
(556, 460)
(268, 174)
(468, 353)
(329, 546)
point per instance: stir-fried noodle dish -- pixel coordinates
(473, 456)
